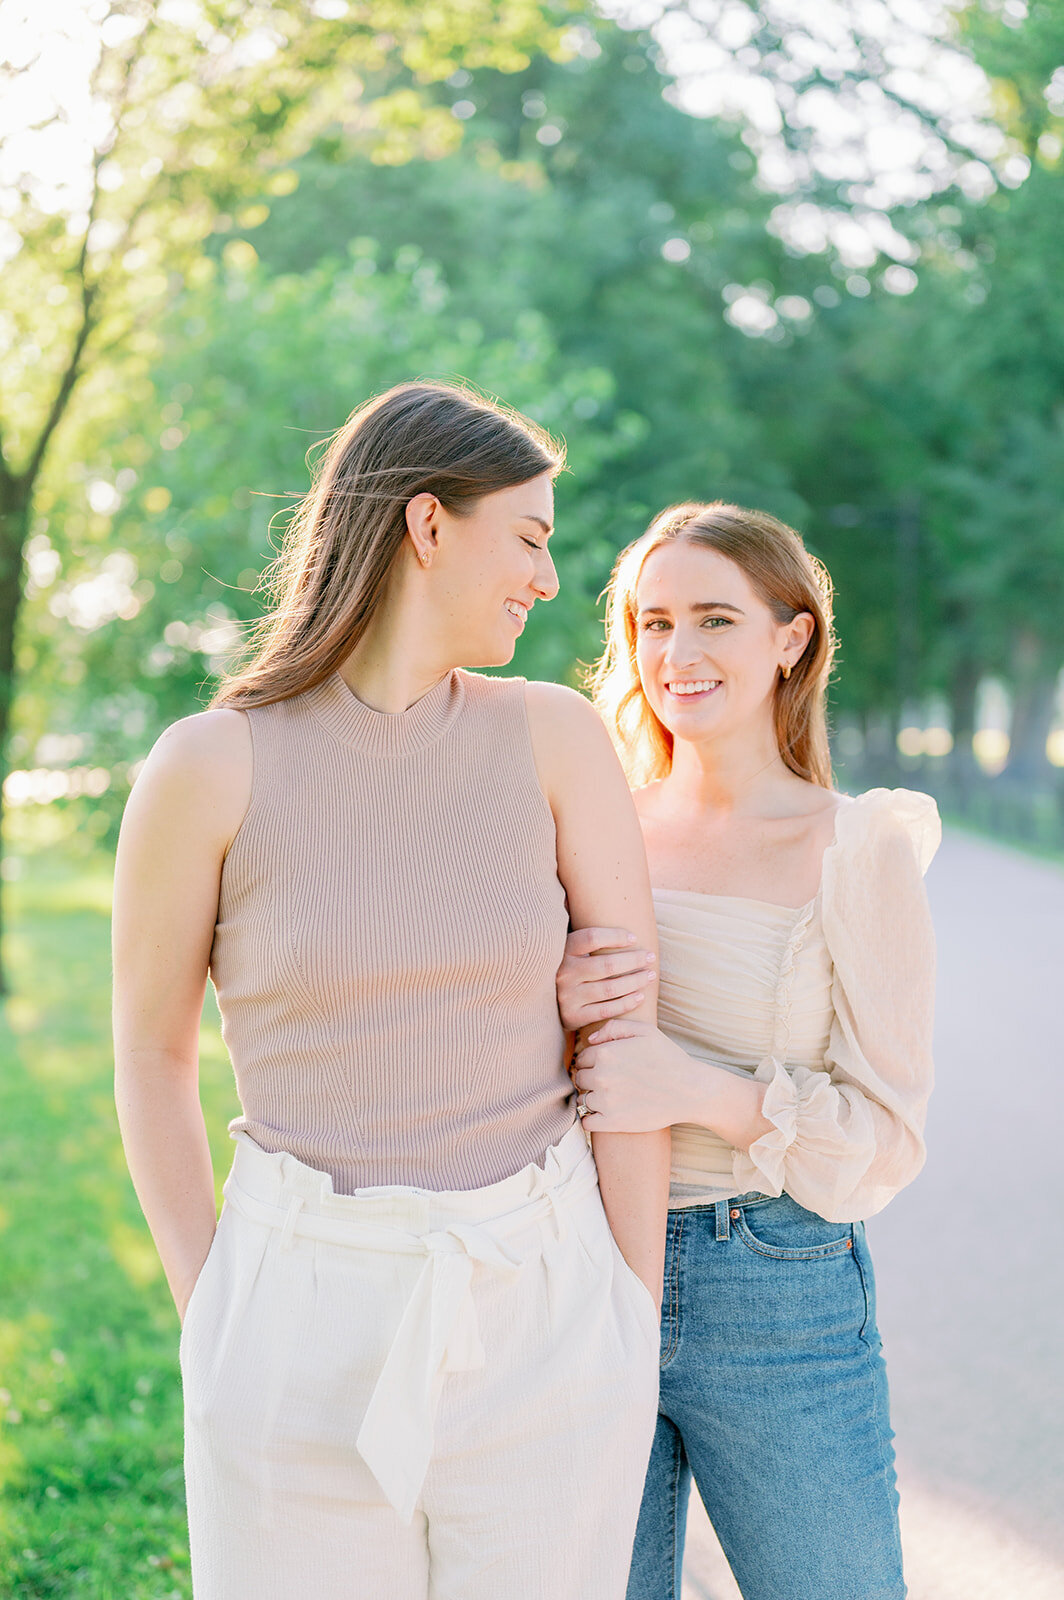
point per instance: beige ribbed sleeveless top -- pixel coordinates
(390, 924)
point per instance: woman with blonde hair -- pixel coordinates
(791, 1057)
(414, 1360)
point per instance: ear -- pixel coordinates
(421, 514)
(796, 635)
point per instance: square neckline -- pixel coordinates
(773, 905)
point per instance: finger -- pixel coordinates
(585, 989)
(583, 1006)
(589, 941)
(607, 1010)
(616, 1028)
(615, 989)
(597, 970)
(617, 964)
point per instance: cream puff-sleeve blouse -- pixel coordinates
(829, 1004)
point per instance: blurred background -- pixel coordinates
(803, 257)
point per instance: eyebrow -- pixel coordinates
(698, 605)
(526, 516)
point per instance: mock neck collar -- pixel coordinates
(386, 733)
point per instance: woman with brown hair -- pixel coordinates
(414, 1359)
(792, 1058)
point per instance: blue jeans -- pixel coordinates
(774, 1394)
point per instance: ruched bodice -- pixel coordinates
(742, 979)
(829, 1004)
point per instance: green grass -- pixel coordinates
(91, 1491)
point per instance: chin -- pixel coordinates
(497, 655)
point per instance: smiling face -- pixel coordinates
(708, 648)
(488, 569)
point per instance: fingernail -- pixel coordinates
(593, 1038)
(631, 939)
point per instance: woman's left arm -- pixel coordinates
(602, 867)
(844, 1140)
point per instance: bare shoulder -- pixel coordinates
(810, 807)
(573, 754)
(564, 726)
(555, 709)
(203, 741)
(828, 806)
(198, 774)
(208, 751)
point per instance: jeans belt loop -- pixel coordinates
(723, 1214)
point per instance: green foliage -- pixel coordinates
(200, 111)
(90, 1410)
(576, 251)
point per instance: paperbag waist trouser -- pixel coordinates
(401, 1393)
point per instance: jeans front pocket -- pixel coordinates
(785, 1231)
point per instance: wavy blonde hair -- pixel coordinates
(783, 574)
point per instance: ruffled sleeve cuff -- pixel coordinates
(803, 1108)
(762, 1166)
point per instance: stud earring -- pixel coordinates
(424, 557)
(785, 669)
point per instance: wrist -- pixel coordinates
(691, 1088)
(729, 1105)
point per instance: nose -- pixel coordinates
(684, 648)
(545, 577)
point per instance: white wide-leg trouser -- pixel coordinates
(408, 1395)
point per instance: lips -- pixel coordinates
(518, 611)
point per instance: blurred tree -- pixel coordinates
(622, 270)
(928, 441)
(191, 112)
(582, 193)
(509, 232)
(257, 369)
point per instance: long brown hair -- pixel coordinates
(783, 574)
(343, 540)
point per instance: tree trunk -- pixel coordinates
(1036, 664)
(964, 685)
(14, 526)
(1032, 722)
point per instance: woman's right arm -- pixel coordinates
(185, 809)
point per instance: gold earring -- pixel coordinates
(785, 669)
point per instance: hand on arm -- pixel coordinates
(604, 974)
(602, 865)
(183, 812)
(637, 1078)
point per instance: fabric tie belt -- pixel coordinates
(438, 1331)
